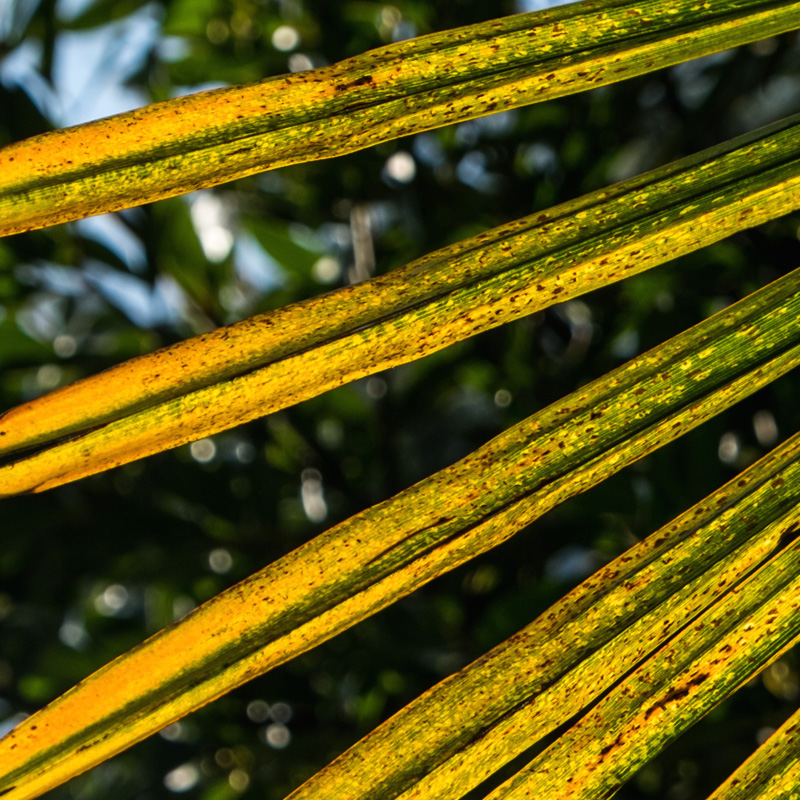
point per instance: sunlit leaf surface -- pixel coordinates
(773, 771)
(460, 732)
(374, 558)
(629, 659)
(265, 363)
(181, 145)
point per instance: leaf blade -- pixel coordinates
(743, 632)
(460, 732)
(181, 145)
(773, 771)
(218, 380)
(376, 557)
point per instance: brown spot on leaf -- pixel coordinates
(364, 80)
(608, 748)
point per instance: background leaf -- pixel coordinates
(107, 561)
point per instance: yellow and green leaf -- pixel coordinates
(244, 371)
(773, 771)
(640, 650)
(739, 635)
(180, 145)
(460, 732)
(382, 554)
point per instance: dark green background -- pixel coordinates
(151, 526)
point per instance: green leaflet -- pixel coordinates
(384, 553)
(465, 728)
(773, 771)
(730, 643)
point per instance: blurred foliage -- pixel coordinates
(90, 569)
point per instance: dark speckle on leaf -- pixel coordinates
(364, 80)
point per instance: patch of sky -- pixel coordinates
(428, 149)
(110, 231)
(255, 266)
(20, 68)
(69, 10)
(182, 91)
(145, 305)
(493, 126)
(696, 79)
(214, 221)
(539, 157)
(43, 319)
(540, 5)
(472, 171)
(90, 67)
(211, 217)
(14, 17)
(571, 563)
(62, 280)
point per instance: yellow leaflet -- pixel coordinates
(751, 625)
(372, 559)
(773, 771)
(181, 145)
(197, 387)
